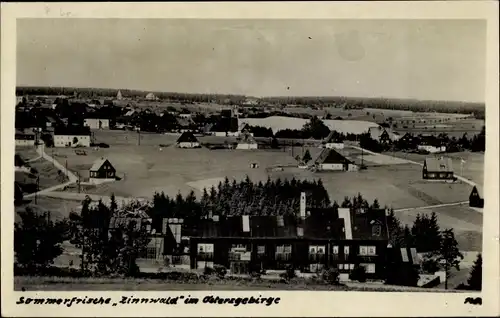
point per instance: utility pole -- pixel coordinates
(138, 137)
(37, 189)
(78, 182)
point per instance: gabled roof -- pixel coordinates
(441, 164)
(247, 138)
(331, 139)
(331, 156)
(187, 137)
(99, 163)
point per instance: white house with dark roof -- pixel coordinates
(331, 160)
(438, 169)
(96, 123)
(188, 140)
(247, 142)
(332, 143)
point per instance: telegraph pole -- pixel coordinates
(37, 189)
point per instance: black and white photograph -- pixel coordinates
(341, 155)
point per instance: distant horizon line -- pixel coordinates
(257, 97)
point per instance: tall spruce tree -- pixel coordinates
(476, 274)
(448, 255)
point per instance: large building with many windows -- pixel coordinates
(315, 239)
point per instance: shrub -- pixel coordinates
(430, 266)
(358, 273)
(220, 270)
(289, 273)
(330, 276)
(208, 270)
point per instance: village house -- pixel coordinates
(188, 140)
(331, 160)
(431, 144)
(475, 199)
(96, 123)
(151, 96)
(438, 169)
(332, 143)
(23, 138)
(308, 242)
(382, 135)
(72, 137)
(246, 142)
(102, 171)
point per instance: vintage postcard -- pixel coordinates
(253, 159)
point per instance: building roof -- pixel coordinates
(331, 137)
(331, 156)
(320, 224)
(246, 138)
(187, 137)
(440, 164)
(99, 163)
(72, 131)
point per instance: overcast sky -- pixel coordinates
(422, 59)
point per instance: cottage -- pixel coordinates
(188, 140)
(431, 144)
(102, 170)
(475, 199)
(246, 142)
(381, 134)
(331, 160)
(151, 96)
(438, 169)
(72, 137)
(96, 123)
(310, 241)
(331, 142)
(25, 138)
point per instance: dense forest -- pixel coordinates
(226, 99)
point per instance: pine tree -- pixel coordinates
(375, 204)
(449, 255)
(38, 240)
(113, 206)
(307, 156)
(476, 274)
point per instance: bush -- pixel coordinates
(208, 270)
(220, 270)
(289, 273)
(330, 276)
(358, 273)
(430, 266)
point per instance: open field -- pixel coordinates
(277, 123)
(473, 168)
(49, 175)
(145, 169)
(58, 208)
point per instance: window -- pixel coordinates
(283, 252)
(150, 253)
(363, 250)
(377, 230)
(316, 253)
(261, 249)
(341, 266)
(370, 268)
(367, 250)
(346, 250)
(351, 266)
(335, 249)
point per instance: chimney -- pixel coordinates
(345, 213)
(302, 205)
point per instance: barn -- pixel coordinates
(188, 140)
(331, 160)
(438, 169)
(102, 170)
